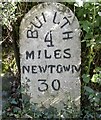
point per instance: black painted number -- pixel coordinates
(45, 86)
(55, 85)
(48, 38)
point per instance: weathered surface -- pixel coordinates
(50, 56)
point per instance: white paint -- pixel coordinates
(69, 80)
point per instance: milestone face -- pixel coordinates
(50, 55)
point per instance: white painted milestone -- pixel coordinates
(50, 60)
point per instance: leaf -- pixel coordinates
(86, 25)
(86, 78)
(13, 102)
(16, 110)
(89, 35)
(88, 89)
(94, 78)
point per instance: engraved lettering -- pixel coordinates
(59, 69)
(51, 68)
(67, 22)
(32, 34)
(68, 35)
(57, 54)
(67, 53)
(29, 55)
(42, 69)
(54, 19)
(25, 68)
(46, 55)
(34, 69)
(75, 68)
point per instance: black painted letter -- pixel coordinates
(29, 55)
(32, 34)
(68, 35)
(55, 19)
(67, 53)
(67, 22)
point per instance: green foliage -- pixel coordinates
(96, 78)
(8, 63)
(90, 23)
(8, 14)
